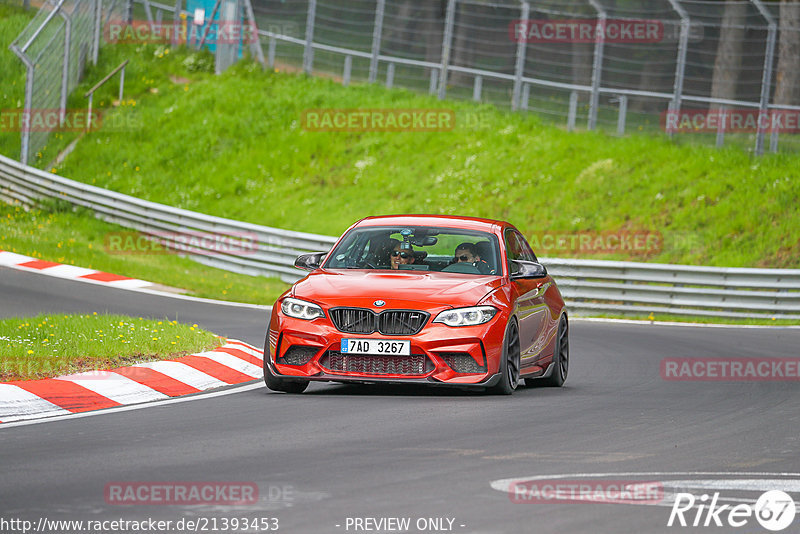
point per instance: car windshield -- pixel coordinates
(417, 248)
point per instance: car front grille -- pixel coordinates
(372, 364)
(461, 362)
(353, 320)
(389, 322)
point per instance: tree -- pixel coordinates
(728, 62)
(787, 77)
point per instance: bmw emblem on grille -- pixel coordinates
(379, 303)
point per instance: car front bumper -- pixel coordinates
(441, 355)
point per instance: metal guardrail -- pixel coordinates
(590, 287)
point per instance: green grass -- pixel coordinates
(248, 158)
(233, 146)
(52, 345)
(80, 239)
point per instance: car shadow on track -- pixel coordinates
(406, 390)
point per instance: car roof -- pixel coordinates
(448, 221)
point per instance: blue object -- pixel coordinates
(195, 32)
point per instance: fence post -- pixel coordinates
(390, 75)
(573, 110)
(773, 141)
(377, 35)
(348, 67)
(623, 113)
(477, 88)
(25, 134)
(147, 11)
(447, 44)
(597, 66)
(271, 51)
(721, 124)
(308, 53)
(526, 95)
(122, 82)
(434, 81)
(766, 79)
(65, 67)
(680, 66)
(252, 32)
(519, 68)
(98, 15)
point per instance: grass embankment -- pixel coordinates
(234, 146)
(53, 345)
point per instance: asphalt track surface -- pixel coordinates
(365, 451)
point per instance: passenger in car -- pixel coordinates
(401, 255)
(380, 252)
(468, 253)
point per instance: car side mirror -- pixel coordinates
(309, 262)
(521, 269)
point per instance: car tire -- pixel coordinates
(275, 383)
(510, 364)
(560, 357)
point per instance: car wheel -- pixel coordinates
(509, 366)
(560, 356)
(279, 384)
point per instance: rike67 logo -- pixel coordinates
(774, 510)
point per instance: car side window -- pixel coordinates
(513, 250)
(527, 251)
(517, 248)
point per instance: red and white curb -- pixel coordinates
(61, 270)
(234, 362)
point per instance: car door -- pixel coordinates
(531, 308)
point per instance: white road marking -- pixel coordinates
(244, 348)
(184, 373)
(68, 271)
(114, 386)
(233, 362)
(198, 396)
(736, 482)
(17, 403)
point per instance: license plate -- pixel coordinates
(397, 347)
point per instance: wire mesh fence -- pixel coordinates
(725, 72)
(55, 48)
(718, 72)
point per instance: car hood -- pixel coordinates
(406, 290)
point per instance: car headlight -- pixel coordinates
(300, 309)
(466, 316)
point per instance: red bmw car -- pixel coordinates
(424, 299)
